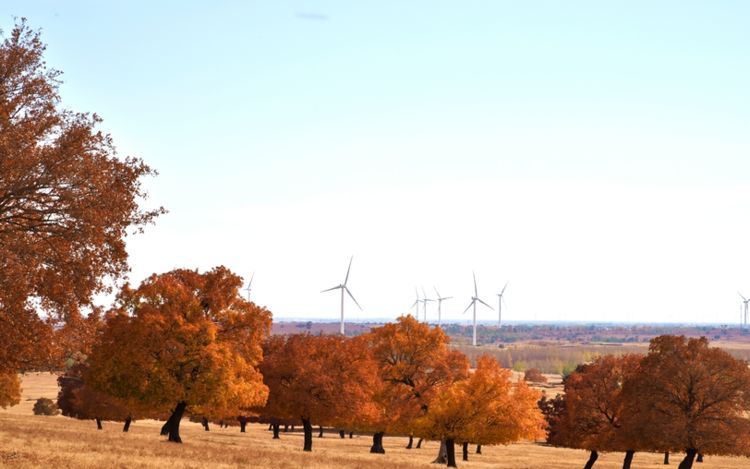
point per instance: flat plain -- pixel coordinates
(29, 441)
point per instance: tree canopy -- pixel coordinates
(186, 339)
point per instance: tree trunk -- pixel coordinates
(666, 457)
(450, 452)
(243, 423)
(320, 434)
(172, 426)
(592, 459)
(98, 423)
(275, 431)
(442, 454)
(411, 440)
(479, 449)
(465, 450)
(687, 463)
(419, 443)
(342, 434)
(307, 427)
(126, 427)
(628, 459)
(351, 435)
(286, 428)
(699, 458)
(270, 427)
(377, 443)
(204, 422)
(291, 429)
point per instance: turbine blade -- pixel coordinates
(485, 304)
(348, 269)
(503, 290)
(251, 280)
(352, 297)
(437, 292)
(332, 288)
(475, 283)
(447, 298)
(743, 298)
(468, 307)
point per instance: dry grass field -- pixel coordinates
(28, 441)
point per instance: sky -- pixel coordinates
(594, 155)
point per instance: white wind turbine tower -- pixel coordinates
(249, 286)
(473, 303)
(440, 300)
(415, 305)
(424, 301)
(500, 305)
(743, 311)
(343, 289)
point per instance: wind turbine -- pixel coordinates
(424, 302)
(743, 311)
(473, 303)
(500, 305)
(415, 305)
(249, 286)
(343, 289)
(440, 300)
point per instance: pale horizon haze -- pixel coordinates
(595, 155)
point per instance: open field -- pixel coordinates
(28, 441)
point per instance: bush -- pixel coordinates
(44, 406)
(534, 375)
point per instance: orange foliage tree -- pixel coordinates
(320, 379)
(595, 412)
(76, 399)
(66, 203)
(413, 363)
(485, 408)
(691, 397)
(182, 341)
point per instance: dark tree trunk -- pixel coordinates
(307, 427)
(291, 429)
(275, 431)
(342, 434)
(628, 459)
(377, 443)
(411, 440)
(419, 443)
(126, 427)
(699, 458)
(270, 427)
(204, 422)
(243, 423)
(450, 452)
(172, 426)
(98, 423)
(286, 428)
(442, 454)
(666, 457)
(351, 435)
(592, 459)
(320, 433)
(465, 450)
(687, 463)
(479, 449)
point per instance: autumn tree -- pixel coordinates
(413, 362)
(691, 397)
(318, 379)
(594, 414)
(76, 399)
(10, 389)
(67, 202)
(182, 341)
(486, 408)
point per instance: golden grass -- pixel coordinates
(28, 441)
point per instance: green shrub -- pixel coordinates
(44, 406)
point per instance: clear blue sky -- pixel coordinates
(594, 154)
